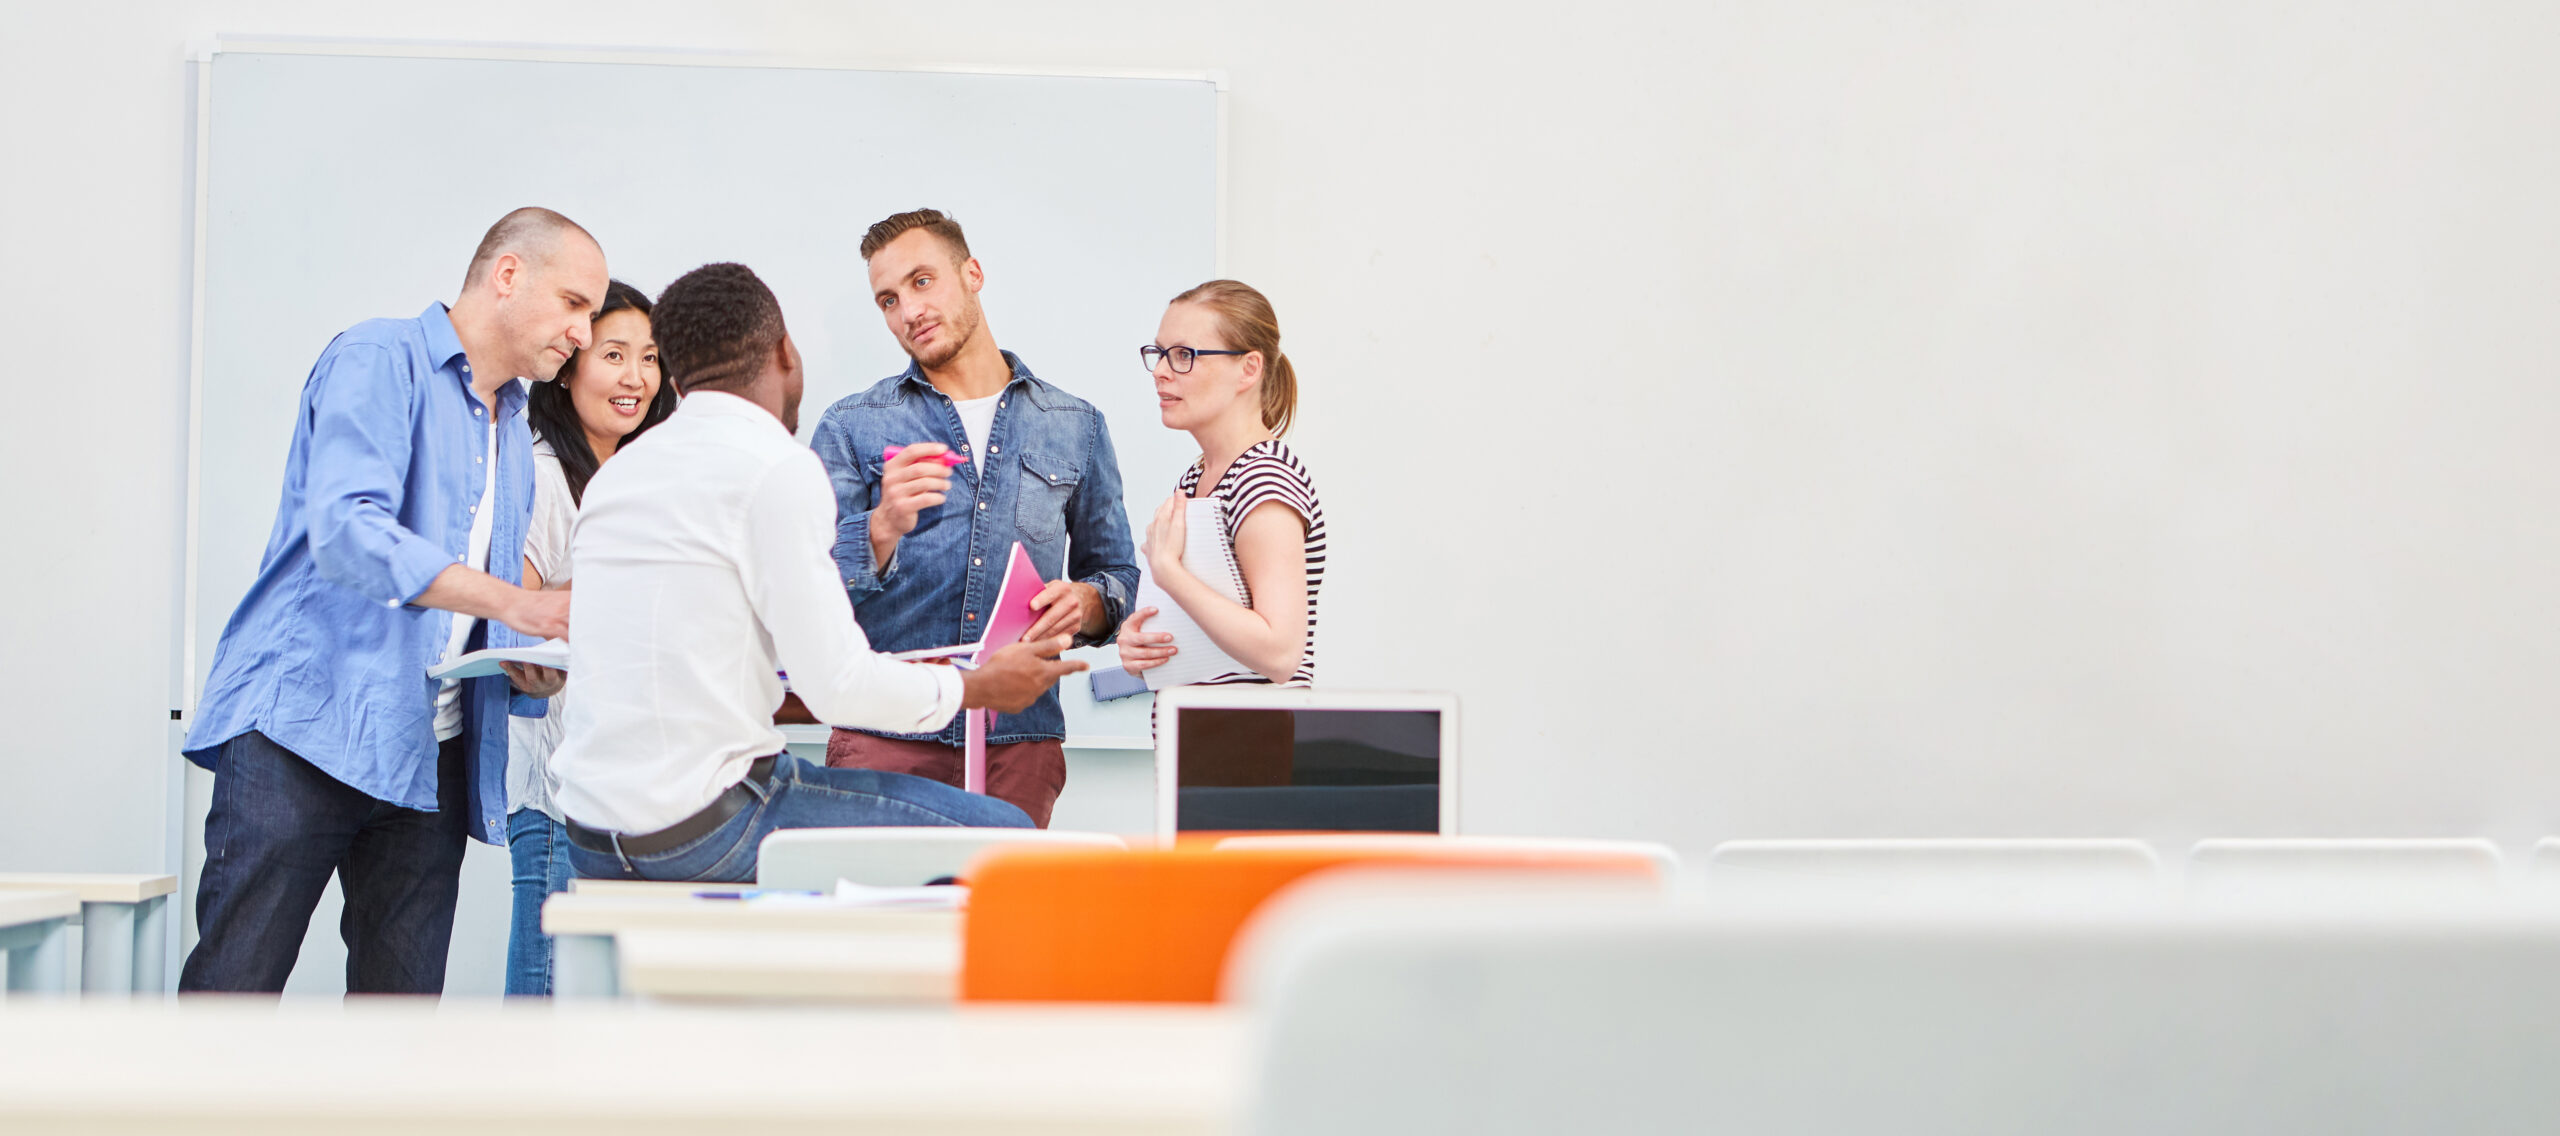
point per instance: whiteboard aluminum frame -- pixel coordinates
(1256, 696)
(203, 53)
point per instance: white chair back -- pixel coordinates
(813, 859)
(2542, 869)
(2317, 872)
(1665, 860)
(1932, 869)
(1534, 1021)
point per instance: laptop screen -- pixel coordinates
(1308, 770)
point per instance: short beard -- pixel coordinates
(953, 343)
(791, 415)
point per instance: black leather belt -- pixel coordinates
(728, 804)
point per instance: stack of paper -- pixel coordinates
(553, 653)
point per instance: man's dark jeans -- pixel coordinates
(279, 827)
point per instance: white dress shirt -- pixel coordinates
(704, 563)
(546, 549)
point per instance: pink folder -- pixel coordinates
(1006, 621)
(1012, 614)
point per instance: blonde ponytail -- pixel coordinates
(1279, 394)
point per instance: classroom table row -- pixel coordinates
(1392, 1000)
(635, 939)
(124, 931)
(667, 940)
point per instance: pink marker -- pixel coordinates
(949, 460)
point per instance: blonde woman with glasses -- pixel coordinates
(1221, 376)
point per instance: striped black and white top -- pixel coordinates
(1269, 471)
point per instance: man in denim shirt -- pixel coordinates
(398, 542)
(923, 545)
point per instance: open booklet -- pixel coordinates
(553, 653)
(1207, 555)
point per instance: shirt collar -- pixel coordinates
(444, 349)
(1021, 373)
(722, 404)
(442, 344)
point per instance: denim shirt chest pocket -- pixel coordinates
(1040, 506)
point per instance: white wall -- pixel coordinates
(1773, 418)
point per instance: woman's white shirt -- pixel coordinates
(546, 545)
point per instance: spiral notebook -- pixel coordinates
(1207, 555)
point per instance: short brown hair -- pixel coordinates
(897, 225)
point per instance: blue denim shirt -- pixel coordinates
(1048, 479)
(326, 655)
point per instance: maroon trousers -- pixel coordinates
(1027, 775)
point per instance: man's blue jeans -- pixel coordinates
(539, 846)
(279, 828)
(802, 795)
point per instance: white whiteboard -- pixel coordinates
(341, 187)
(338, 185)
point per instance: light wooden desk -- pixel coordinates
(31, 925)
(124, 941)
(392, 1067)
(584, 928)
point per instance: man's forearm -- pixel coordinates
(471, 592)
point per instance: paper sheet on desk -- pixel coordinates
(553, 653)
(940, 897)
(1207, 555)
(931, 897)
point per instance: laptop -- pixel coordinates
(1255, 758)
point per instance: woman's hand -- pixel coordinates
(1140, 649)
(1165, 537)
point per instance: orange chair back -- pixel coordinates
(1155, 925)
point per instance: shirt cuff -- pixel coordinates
(854, 558)
(1113, 611)
(415, 562)
(947, 702)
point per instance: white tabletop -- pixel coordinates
(581, 913)
(94, 887)
(17, 907)
(401, 1066)
(665, 889)
(797, 966)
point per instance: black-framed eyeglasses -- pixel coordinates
(1180, 357)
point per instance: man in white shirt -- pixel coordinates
(704, 566)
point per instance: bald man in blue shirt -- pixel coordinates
(398, 543)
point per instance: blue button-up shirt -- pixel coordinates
(1048, 479)
(327, 655)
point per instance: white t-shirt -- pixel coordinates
(977, 417)
(546, 546)
(449, 696)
